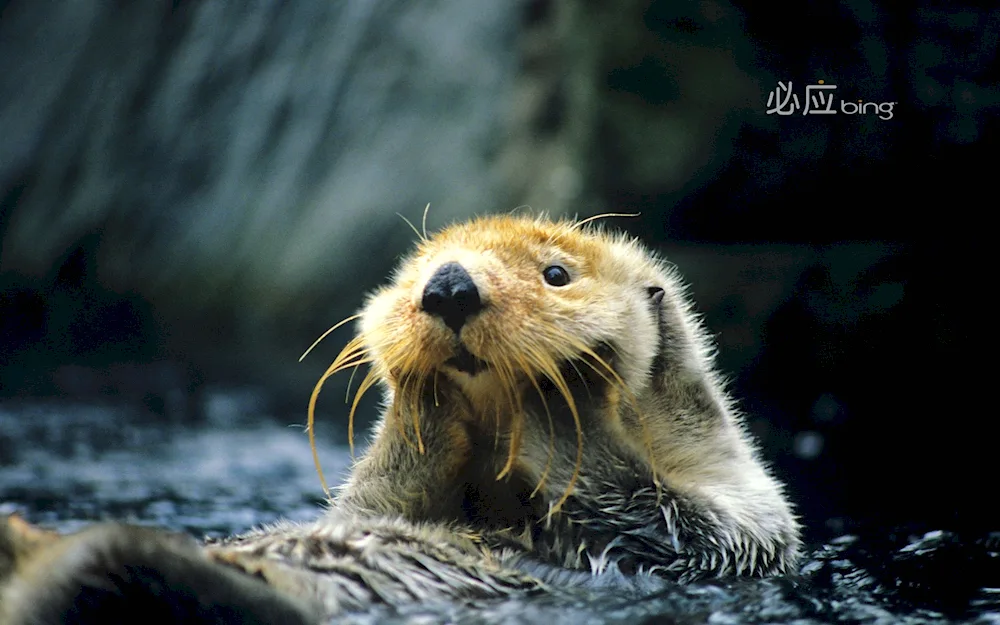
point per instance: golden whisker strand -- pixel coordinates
(496, 435)
(534, 356)
(350, 381)
(354, 363)
(406, 405)
(507, 377)
(558, 233)
(436, 372)
(396, 411)
(402, 391)
(353, 350)
(601, 372)
(347, 357)
(602, 216)
(423, 221)
(613, 348)
(400, 361)
(409, 400)
(583, 380)
(312, 437)
(412, 227)
(552, 372)
(548, 367)
(513, 447)
(327, 333)
(513, 396)
(634, 401)
(415, 412)
(552, 436)
(311, 428)
(499, 369)
(614, 374)
(366, 383)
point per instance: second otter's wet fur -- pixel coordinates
(583, 420)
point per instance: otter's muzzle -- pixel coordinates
(451, 295)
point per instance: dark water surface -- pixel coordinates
(66, 465)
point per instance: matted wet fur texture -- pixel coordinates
(550, 401)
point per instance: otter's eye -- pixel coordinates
(556, 275)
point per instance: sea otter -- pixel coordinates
(551, 383)
(550, 404)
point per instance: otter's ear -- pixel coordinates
(655, 294)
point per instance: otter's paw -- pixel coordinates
(415, 467)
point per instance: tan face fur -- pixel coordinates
(526, 325)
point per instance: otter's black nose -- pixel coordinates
(452, 295)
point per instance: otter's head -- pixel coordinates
(499, 304)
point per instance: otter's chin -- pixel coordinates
(465, 362)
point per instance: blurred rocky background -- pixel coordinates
(191, 192)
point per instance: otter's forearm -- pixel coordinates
(618, 514)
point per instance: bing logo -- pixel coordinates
(819, 100)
